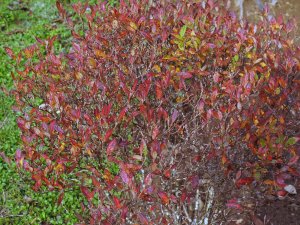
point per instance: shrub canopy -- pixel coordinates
(156, 103)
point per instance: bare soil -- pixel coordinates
(274, 211)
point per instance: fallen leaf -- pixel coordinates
(281, 194)
(290, 189)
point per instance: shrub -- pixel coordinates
(160, 109)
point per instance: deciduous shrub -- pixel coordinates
(161, 111)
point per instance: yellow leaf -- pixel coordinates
(281, 120)
(179, 99)
(269, 182)
(224, 159)
(133, 25)
(62, 146)
(124, 68)
(247, 137)
(67, 77)
(78, 75)
(58, 168)
(262, 64)
(267, 75)
(157, 68)
(55, 77)
(249, 55)
(89, 152)
(107, 175)
(92, 62)
(21, 162)
(99, 53)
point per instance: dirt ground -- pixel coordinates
(288, 8)
(281, 212)
(274, 211)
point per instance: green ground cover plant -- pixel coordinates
(20, 23)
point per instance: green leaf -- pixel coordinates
(257, 176)
(181, 46)
(262, 142)
(291, 141)
(182, 31)
(236, 58)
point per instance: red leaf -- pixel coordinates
(216, 77)
(142, 146)
(293, 160)
(147, 36)
(96, 183)
(148, 179)
(233, 203)
(117, 202)
(76, 47)
(60, 9)
(88, 119)
(158, 91)
(108, 134)
(244, 181)
(60, 198)
(238, 175)
(144, 88)
(97, 113)
(111, 146)
(280, 181)
(143, 219)
(124, 213)
(125, 177)
(122, 114)
(201, 106)
(167, 173)
(185, 75)
(281, 194)
(155, 132)
(106, 110)
(75, 35)
(4, 157)
(19, 157)
(164, 35)
(174, 116)
(183, 196)
(9, 52)
(38, 181)
(164, 198)
(87, 193)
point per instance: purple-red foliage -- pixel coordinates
(180, 96)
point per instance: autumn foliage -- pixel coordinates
(181, 98)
